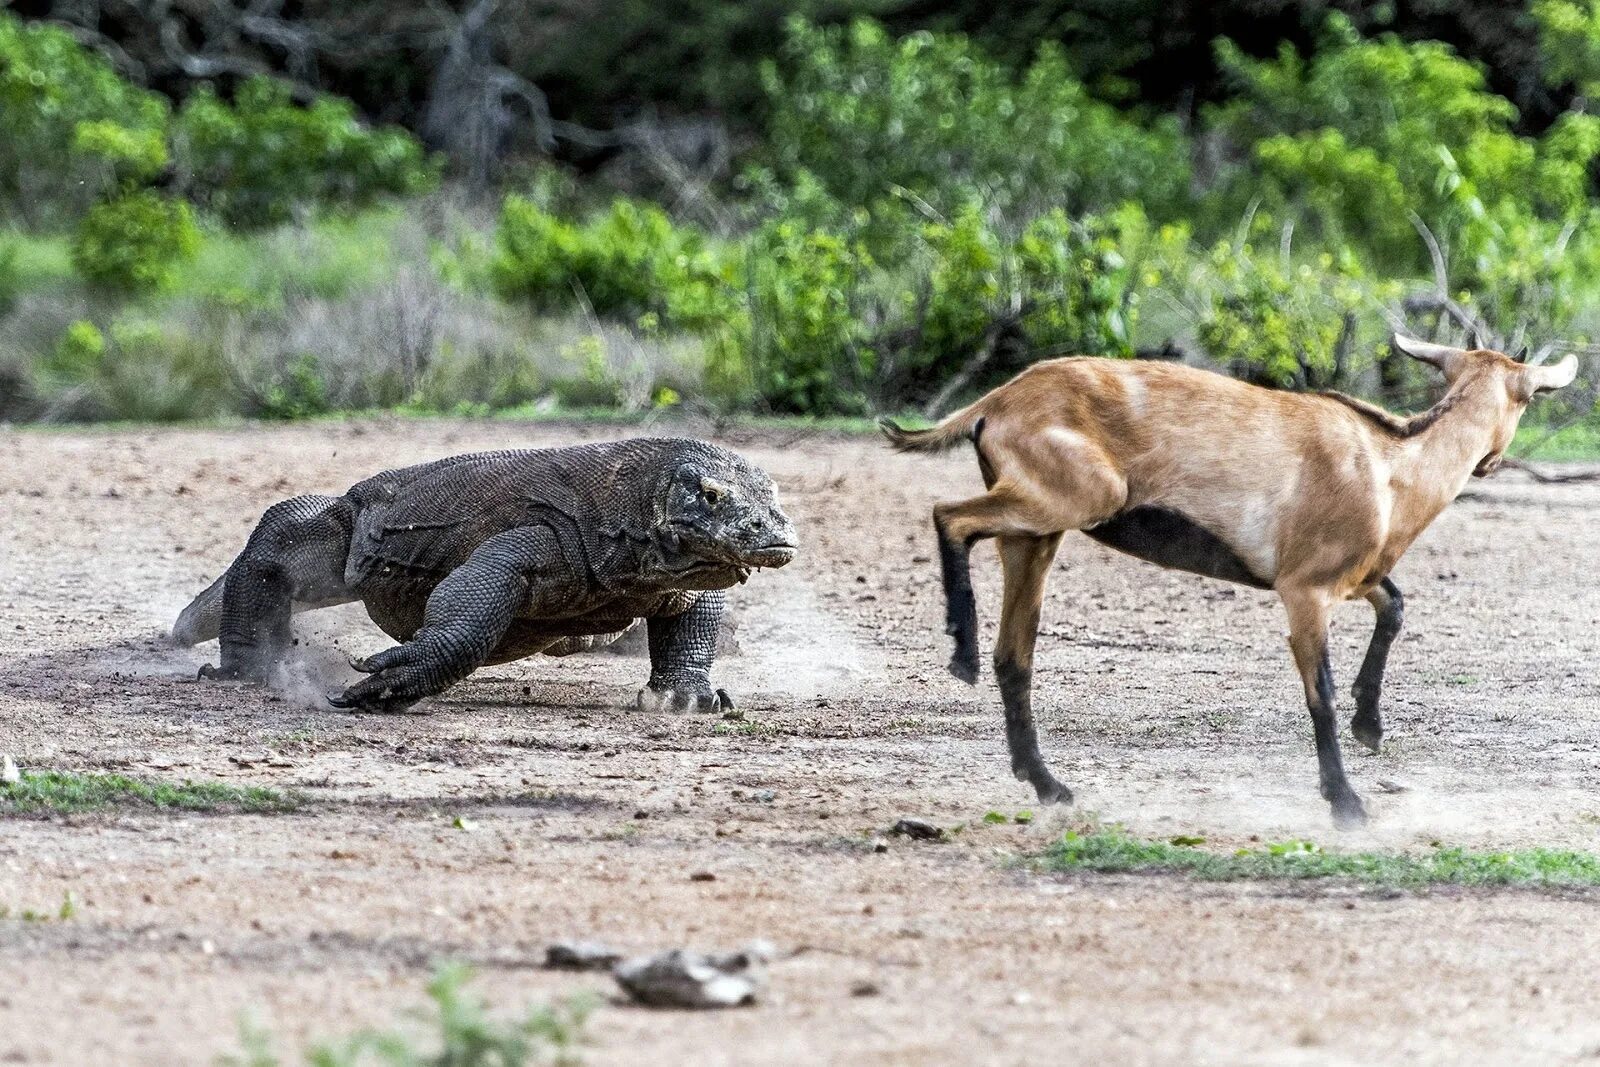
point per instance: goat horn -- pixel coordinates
(1441, 356)
(1546, 377)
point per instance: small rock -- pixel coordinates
(880, 845)
(9, 775)
(683, 979)
(581, 956)
(864, 989)
(763, 796)
(918, 830)
(702, 876)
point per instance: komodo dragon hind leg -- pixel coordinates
(297, 553)
(682, 648)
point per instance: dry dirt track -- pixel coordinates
(1167, 702)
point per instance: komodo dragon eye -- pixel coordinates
(711, 492)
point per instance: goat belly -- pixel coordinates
(1171, 539)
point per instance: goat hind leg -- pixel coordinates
(1367, 723)
(1308, 639)
(1026, 560)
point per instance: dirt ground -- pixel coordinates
(1168, 702)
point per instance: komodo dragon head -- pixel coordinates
(718, 513)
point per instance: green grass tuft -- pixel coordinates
(1114, 849)
(64, 793)
(462, 1035)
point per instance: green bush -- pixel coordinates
(135, 242)
(58, 104)
(802, 330)
(299, 392)
(1280, 323)
(867, 115)
(10, 276)
(1366, 134)
(1081, 280)
(139, 370)
(256, 161)
(631, 263)
(78, 354)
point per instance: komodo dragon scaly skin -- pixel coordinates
(494, 556)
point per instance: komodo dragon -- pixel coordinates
(494, 556)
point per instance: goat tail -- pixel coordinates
(202, 619)
(963, 425)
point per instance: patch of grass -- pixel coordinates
(460, 1033)
(1114, 849)
(1580, 441)
(67, 910)
(745, 728)
(65, 793)
(38, 261)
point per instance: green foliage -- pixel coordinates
(461, 1034)
(135, 242)
(299, 392)
(869, 116)
(10, 276)
(256, 161)
(802, 332)
(1569, 38)
(67, 793)
(328, 257)
(630, 263)
(139, 370)
(1282, 323)
(59, 103)
(1082, 279)
(78, 355)
(1366, 134)
(1114, 849)
(133, 154)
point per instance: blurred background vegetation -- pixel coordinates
(826, 208)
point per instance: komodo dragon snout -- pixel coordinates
(725, 513)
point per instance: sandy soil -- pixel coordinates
(1168, 702)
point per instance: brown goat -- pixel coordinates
(1315, 496)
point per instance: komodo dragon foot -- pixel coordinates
(683, 692)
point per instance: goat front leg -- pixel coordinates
(1026, 560)
(1308, 640)
(961, 525)
(1367, 723)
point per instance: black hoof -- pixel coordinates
(1349, 813)
(965, 667)
(1368, 733)
(1051, 791)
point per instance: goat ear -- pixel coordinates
(1547, 377)
(1447, 359)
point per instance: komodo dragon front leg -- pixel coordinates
(682, 648)
(519, 572)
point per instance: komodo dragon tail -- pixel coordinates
(963, 425)
(202, 619)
